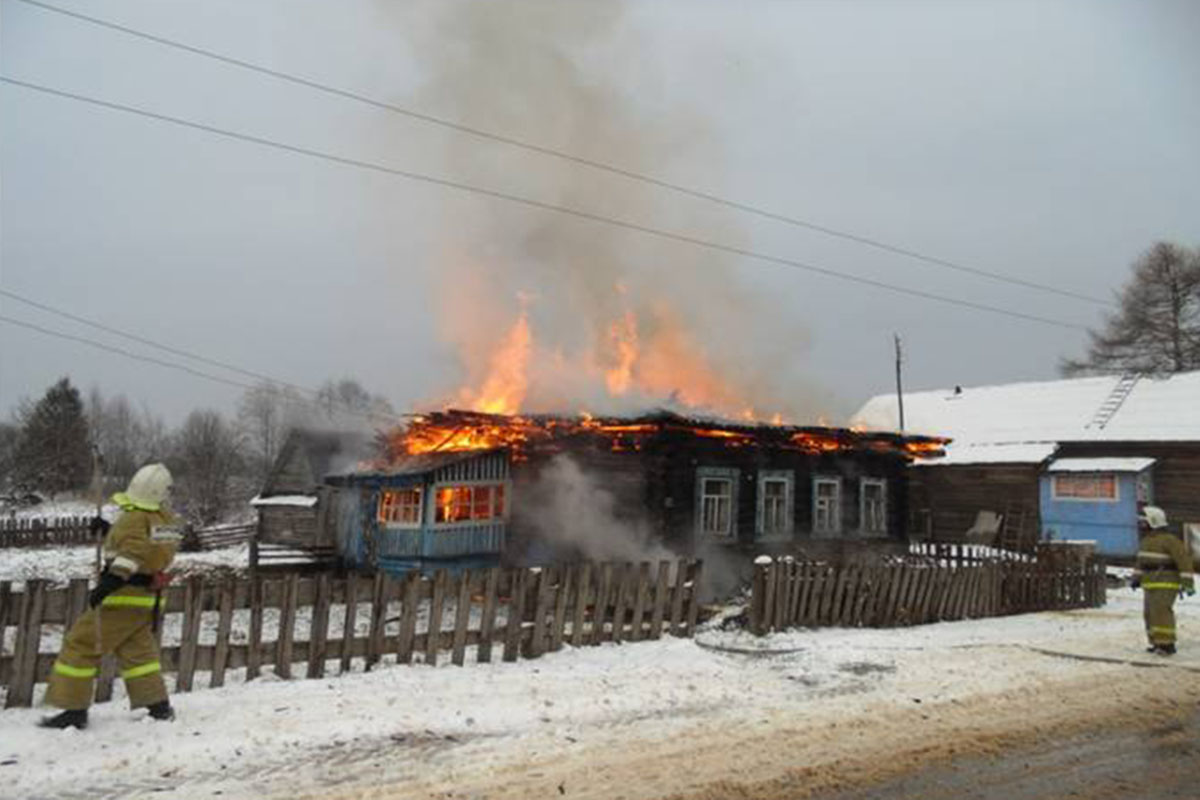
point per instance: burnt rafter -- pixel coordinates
(453, 430)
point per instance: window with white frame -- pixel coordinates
(400, 508)
(827, 505)
(775, 503)
(716, 501)
(872, 505)
(468, 503)
(1086, 486)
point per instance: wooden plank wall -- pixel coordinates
(788, 593)
(357, 623)
(35, 532)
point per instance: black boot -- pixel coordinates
(1166, 649)
(75, 718)
(161, 711)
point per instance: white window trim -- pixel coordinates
(731, 474)
(863, 483)
(788, 477)
(837, 521)
(431, 511)
(408, 526)
(1116, 498)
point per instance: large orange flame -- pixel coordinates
(507, 380)
(623, 342)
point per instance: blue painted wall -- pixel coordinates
(1111, 524)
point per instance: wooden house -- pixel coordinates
(462, 488)
(1068, 459)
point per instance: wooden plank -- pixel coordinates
(662, 590)
(803, 588)
(284, 645)
(766, 609)
(693, 608)
(600, 609)
(409, 610)
(582, 588)
(541, 604)
(224, 626)
(562, 593)
(25, 652)
(487, 623)
(516, 613)
(462, 619)
(851, 577)
(798, 586)
(640, 587)
(318, 636)
(896, 601)
(622, 574)
(433, 637)
(833, 577)
(378, 616)
(254, 643)
(190, 633)
(77, 603)
(349, 622)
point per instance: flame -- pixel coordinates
(623, 342)
(507, 380)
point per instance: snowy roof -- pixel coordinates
(1156, 409)
(1099, 464)
(294, 500)
(1015, 453)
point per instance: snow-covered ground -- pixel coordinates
(60, 564)
(692, 718)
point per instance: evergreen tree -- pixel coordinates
(53, 454)
(1156, 329)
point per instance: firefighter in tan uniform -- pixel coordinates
(1164, 570)
(140, 545)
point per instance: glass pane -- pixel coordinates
(773, 489)
(481, 506)
(716, 487)
(498, 492)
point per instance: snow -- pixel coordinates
(52, 510)
(60, 564)
(294, 500)
(1020, 453)
(1157, 409)
(429, 724)
(1099, 464)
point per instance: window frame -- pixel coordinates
(788, 478)
(863, 483)
(731, 475)
(1070, 498)
(382, 503)
(499, 502)
(836, 482)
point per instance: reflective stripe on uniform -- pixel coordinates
(1163, 629)
(1144, 555)
(74, 672)
(137, 601)
(140, 670)
(1155, 585)
(124, 564)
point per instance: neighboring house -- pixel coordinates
(1067, 459)
(461, 488)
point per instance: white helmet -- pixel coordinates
(1154, 517)
(149, 487)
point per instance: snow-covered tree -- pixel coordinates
(53, 453)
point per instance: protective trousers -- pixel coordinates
(125, 631)
(1158, 607)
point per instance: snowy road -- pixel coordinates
(729, 716)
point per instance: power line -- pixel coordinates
(164, 363)
(538, 204)
(532, 147)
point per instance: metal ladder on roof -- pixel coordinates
(1114, 401)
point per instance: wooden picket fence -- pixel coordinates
(46, 532)
(253, 623)
(789, 594)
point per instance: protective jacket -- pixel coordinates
(140, 545)
(1164, 569)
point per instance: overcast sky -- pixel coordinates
(1049, 141)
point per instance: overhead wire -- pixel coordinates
(533, 147)
(533, 203)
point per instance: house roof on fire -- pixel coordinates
(1022, 422)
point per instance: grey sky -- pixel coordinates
(1052, 141)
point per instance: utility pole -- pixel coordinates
(899, 382)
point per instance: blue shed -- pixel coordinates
(425, 512)
(1096, 499)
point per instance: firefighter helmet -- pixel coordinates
(1154, 517)
(149, 486)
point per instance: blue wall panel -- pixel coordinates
(1111, 524)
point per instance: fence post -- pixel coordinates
(758, 595)
(25, 653)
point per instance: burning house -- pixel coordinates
(459, 488)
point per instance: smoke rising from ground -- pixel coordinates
(573, 76)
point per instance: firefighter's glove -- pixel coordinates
(108, 584)
(99, 526)
(1188, 588)
(1135, 583)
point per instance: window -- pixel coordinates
(872, 505)
(716, 501)
(827, 505)
(1085, 486)
(468, 503)
(774, 503)
(400, 507)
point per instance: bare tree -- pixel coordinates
(265, 414)
(9, 434)
(206, 461)
(127, 438)
(1157, 327)
(348, 404)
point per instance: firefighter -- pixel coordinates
(140, 545)
(1164, 570)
